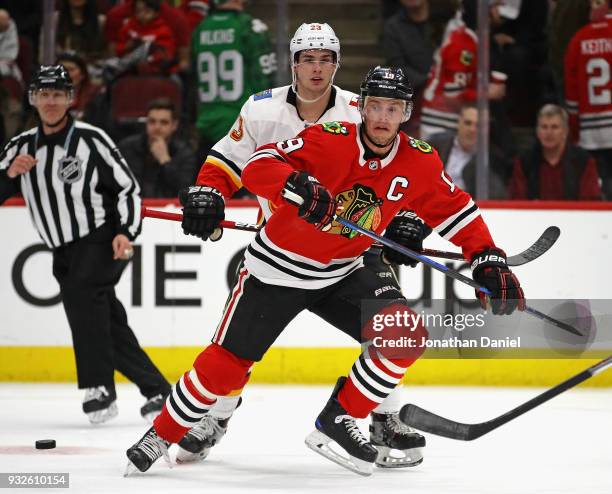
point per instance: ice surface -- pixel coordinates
(564, 446)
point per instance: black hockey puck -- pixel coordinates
(45, 444)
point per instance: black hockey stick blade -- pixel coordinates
(555, 322)
(426, 421)
(541, 245)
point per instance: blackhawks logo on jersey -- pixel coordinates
(466, 57)
(422, 146)
(335, 128)
(359, 205)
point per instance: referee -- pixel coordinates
(85, 203)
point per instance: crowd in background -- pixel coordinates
(549, 92)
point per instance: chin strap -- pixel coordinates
(304, 100)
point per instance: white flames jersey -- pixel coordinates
(268, 116)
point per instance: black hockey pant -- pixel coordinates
(102, 338)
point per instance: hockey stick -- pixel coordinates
(451, 273)
(294, 198)
(541, 245)
(426, 421)
(234, 225)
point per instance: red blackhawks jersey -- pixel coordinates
(268, 116)
(588, 84)
(452, 79)
(369, 191)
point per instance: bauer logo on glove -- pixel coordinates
(490, 258)
(490, 271)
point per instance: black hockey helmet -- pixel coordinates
(51, 77)
(387, 82)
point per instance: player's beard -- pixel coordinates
(373, 140)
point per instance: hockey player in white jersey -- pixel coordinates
(283, 112)
(274, 115)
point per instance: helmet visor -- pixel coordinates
(377, 109)
(51, 95)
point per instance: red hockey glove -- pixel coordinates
(489, 269)
(319, 205)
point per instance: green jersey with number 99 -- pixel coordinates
(233, 59)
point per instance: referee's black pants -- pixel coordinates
(101, 336)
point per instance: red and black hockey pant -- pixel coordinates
(255, 315)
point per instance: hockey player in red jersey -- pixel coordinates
(303, 259)
(452, 78)
(276, 115)
(588, 88)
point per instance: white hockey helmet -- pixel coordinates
(314, 36)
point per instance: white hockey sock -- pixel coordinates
(225, 406)
(391, 404)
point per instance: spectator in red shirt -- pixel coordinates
(554, 168)
(147, 26)
(119, 15)
(195, 11)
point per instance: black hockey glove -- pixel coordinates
(319, 205)
(203, 211)
(406, 229)
(489, 270)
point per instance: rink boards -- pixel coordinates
(176, 288)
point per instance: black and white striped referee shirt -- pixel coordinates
(80, 182)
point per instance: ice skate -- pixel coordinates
(334, 424)
(99, 404)
(196, 444)
(147, 451)
(398, 445)
(152, 407)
